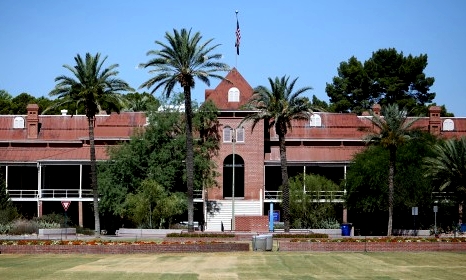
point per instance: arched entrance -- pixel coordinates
(228, 176)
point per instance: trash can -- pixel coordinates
(269, 242)
(463, 228)
(346, 230)
(259, 243)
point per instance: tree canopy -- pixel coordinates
(153, 162)
(387, 77)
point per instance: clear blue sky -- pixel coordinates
(305, 39)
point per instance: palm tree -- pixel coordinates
(94, 87)
(181, 60)
(391, 130)
(448, 168)
(278, 106)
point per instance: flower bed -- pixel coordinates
(114, 247)
(375, 244)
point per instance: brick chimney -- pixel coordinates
(32, 121)
(376, 109)
(434, 120)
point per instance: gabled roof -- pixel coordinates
(219, 95)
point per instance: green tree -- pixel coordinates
(8, 211)
(20, 102)
(367, 186)
(179, 61)
(387, 77)
(306, 209)
(391, 130)
(139, 102)
(152, 205)
(157, 153)
(279, 106)
(447, 168)
(5, 102)
(97, 88)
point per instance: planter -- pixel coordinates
(94, 247)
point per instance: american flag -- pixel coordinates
(238, 37)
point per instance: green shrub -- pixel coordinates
(22, 226)
(52, 220)
(7, 215)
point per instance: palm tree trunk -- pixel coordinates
(95, 192)
(391, 189)
(189, 157)
(285, 185)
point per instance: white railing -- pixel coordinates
(197, 194)
(50, 193)
(443, 196)
(23, 193)
(316, 196)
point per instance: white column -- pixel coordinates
(80, 181)
(39, 187)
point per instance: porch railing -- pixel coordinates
(317, 196)
(50, 193)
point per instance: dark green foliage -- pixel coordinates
(387, 77)
(157, 154)
(305, 209)
(367, 187)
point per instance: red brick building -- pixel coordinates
(45, 159)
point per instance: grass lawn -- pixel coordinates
(244, 265)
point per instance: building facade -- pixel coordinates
(45, 159)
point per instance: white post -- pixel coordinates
(80, 181)
(39, 187)
(233, 139)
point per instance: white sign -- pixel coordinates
(65, 204)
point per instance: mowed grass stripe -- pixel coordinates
(245, 265)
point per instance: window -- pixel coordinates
(227, 134)
(316, 121)
(18, 122)
(448, 125)
(233, 94)
(240, 134)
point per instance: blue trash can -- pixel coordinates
(463, 228)
(346, 230)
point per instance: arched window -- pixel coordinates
(228, 176)
(316, 121)
(240, 134)
(227, 134)
(233, 94)
(448, 125)
(18, 122)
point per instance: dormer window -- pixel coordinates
(448, 125)
(233, 94)
(316, 121)
(18, 122)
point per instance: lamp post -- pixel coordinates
(233, 140)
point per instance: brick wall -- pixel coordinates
(251, 151)
(372, 246)
(252, 223)
(122, 249)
